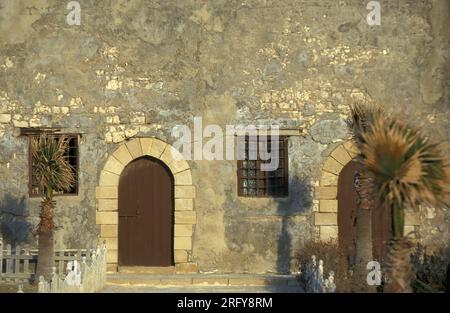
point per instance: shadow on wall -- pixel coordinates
(298, 202)
(266, 243)
(14, 227)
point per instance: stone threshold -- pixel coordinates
(166, 270)
(201, 280)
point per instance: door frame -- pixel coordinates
(107, 215)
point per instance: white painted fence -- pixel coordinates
(81, 277)
(18, 264)
(312, 278)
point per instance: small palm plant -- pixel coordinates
(402, 169)
(52, 173)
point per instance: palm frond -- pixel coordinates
(51, 166)
(361, 118)
(403, 166)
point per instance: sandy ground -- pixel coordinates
(12, 288)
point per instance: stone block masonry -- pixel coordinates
(122, 81)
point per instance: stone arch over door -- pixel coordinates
(184, 191)
(326, 215)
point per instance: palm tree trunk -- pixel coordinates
(46, 252)
(45, 241)
(398, 220)
(400, 271)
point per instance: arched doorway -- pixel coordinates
(146, 214)
(335, 215)
(107, 192)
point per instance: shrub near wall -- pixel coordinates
(333, 260)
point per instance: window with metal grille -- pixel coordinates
(72, 156)
(252, 181)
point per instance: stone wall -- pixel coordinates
(138, 68)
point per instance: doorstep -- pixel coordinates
(135, 279)
(147, 270)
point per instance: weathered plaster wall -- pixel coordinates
(138, 68)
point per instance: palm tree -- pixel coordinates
(402, 169)
(52, 173)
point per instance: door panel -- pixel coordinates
(146, 214)
(348, 210)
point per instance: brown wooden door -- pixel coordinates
(348, 210)
(146, 214)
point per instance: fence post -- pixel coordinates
(104, 264)
(54, 283)
(320, 276)
(84, 274)
(17, 261)
(61, 263)
(42, 286)
(26, 262)
(8, 260)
